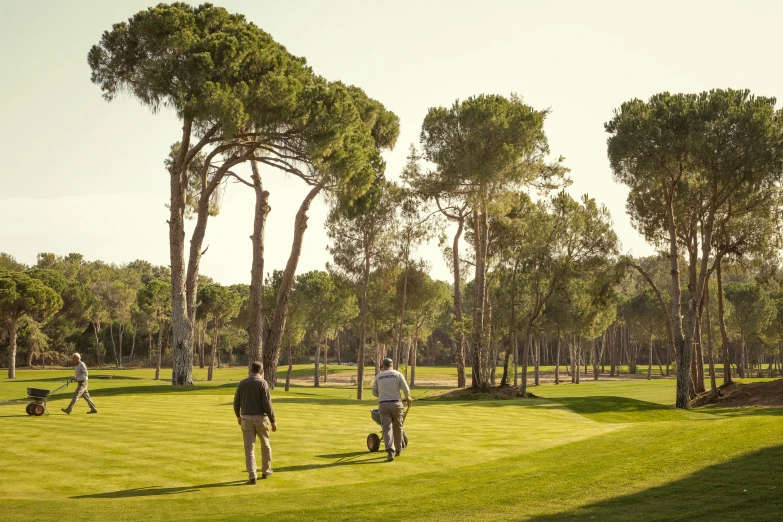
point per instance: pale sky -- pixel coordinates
(82, 175)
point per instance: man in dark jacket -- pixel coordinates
(253, 408)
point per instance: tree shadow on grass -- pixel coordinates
(92, 377)
(749, 487)
(162, 389)
(610, 409)
(157, 490)
(744, 412)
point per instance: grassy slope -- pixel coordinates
(609, 450)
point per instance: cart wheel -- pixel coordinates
(404, 440)
(38, 410)
(373, 442)
(29, 408)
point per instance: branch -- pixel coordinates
(657, 292)
(239, 178)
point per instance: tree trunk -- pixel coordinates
(612, 348)
(741, 358)
(149, 350)
(413, 360)
(12, 334)
(230, 350)
(326, 357)
(290, 368)
(362, 325)
(682, 354)
(274, 340)
(525, 362)
(537, 381)
(583, 357)
(512, 329)
(133, 345)
(599, 354)
(650, 361)
(398, 346)
(120, 330)
(710, 351)
(317, 374)
(516, 359)
(200, 334)
(377, 347)
(337, 347)
(460, 340)
(214, 352)
(160, 351)
(698, 352)
(96, 328)
(29, 356)
(486, 338)
(572, 359)
(181, 324)
(504, 378)
(255, 321)
(557, 358)
(479, 283)
(113, 345)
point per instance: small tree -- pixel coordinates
(360, 244)
(221, 304)
(155, 300)
(754, 310)
(325, 307)
(482, 147)
(22, 296)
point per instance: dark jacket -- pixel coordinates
(252, 398)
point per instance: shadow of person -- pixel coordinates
(157, 490)
(343, 459)
(342, 455)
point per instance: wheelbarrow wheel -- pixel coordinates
(373, 442)
(38, 410)
(29, 408)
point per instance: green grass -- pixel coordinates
(599, 450)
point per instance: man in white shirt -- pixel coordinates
(387, 387)
(80, 376)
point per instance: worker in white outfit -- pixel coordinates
(387, 387)
(80, 376)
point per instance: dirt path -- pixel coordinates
(738, 395)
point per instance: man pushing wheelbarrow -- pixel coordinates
(387, 387)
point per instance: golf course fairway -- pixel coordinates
(594, 451)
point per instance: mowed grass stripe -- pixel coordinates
(589, 476)
(608, 450)
(208, 442)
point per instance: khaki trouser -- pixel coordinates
(253, 425)
(391, 420)
(81, 391)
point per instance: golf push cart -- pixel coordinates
(374, 441)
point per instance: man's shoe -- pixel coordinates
(251, 482)
(67, 412)
(92, 411)
(390, 456)
(397, 453)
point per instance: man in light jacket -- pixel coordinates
(80, 376)
(387, 387)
